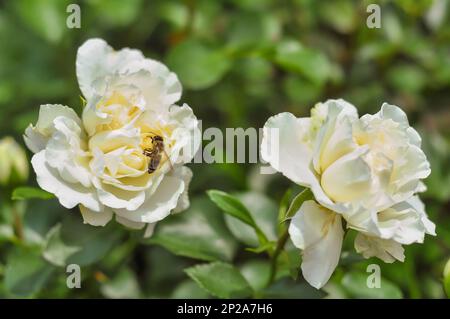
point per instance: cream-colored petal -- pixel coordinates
(36, 137)
(334, 138)
(69, 194)
(349, 178)
(285, 146)
(157, 205)
(100, 218)
(419, 206)
(118, 198)
(97, 60)
(64, 152)
(387, 250)
(149, 230)
(184, 173)
(318, 232)
(186, 135)
(129, 223)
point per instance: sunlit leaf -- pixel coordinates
(198, 65)
(221, 280)
(26, 192)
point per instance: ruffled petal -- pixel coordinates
(318, 232)
(387, 250)
(100, 218)
(69, 194)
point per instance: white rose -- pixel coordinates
(365, 170)
(99, 162)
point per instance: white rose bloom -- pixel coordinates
(366, 170)
(101, 161)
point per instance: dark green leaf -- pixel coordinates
(189, 290)
(26, 272)
(287, 289)
(73, 242)
(198, 233)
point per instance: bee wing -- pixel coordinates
(168, 158)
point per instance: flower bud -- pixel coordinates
(13, 162)
(447, 278)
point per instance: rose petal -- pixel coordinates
(318, 232)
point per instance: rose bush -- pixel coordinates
(366, 171)
(98, 162)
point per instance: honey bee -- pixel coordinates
(155, 152)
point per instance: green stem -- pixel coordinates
(18, 225)
(279, 248)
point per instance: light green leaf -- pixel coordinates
(263, 212)
(312, 64)
(46, 18)
(123, 286)
(257, 273)
(198, 233)
(26, 272)
(356, 285)
(447, 278)
(117, 12)
(233, 207)
(297, 202)
(221, 280)
(198, 65)
(25, 192)
(189, 290)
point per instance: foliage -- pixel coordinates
(239, 62)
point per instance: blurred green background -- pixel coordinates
(240, 62)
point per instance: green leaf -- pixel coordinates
(198, 233)
(284, 205)
(339, 14)
(198, 65)
(252, 30)
(189, 290)
(312, 64)
(116, 12)
(123, 285)
(355, 284)
(257, 273)
(220, 279)
(269, 246)
(45, 18)
(25, 192)
(26, 272)
(288, 289)
(305, 195)
(73, 242)
(263, 211)
(233, 207)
